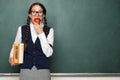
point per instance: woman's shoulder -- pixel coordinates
(21, 27)
(50, 28)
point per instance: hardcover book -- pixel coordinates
(18, 53)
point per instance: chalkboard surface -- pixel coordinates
(87, 34)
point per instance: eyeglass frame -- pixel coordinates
(36, 12)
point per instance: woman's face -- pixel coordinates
(36, 12)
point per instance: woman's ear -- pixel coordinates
(29, 15)
(43, 16)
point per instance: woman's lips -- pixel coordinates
(37, 20)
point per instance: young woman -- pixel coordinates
(38, 45)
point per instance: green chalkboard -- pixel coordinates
(87, 34)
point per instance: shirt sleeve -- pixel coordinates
(17, 40)
(46, 42)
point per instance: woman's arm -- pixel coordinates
(47, 43)
(17, 40)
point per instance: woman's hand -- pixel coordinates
(12, 62)
(38, 28)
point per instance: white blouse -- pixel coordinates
(47, 49)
